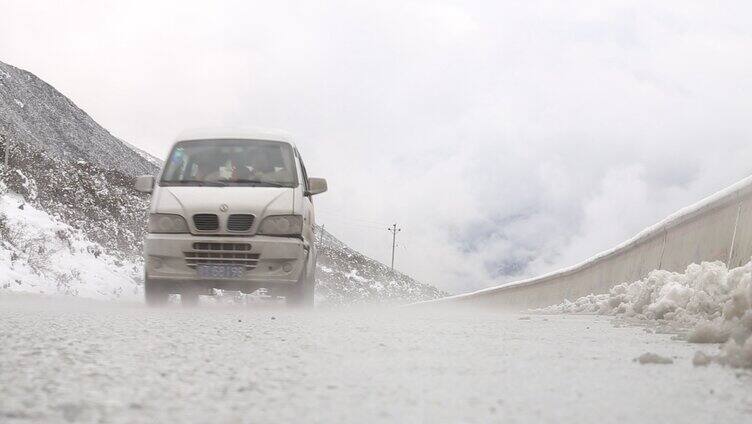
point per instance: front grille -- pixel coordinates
(239, 222)
(221, 253)
(206, 222)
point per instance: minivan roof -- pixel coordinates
(235, 134)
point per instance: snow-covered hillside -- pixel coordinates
(347, 276)
(75, 181)
(101, 204)
(41, 254)
(33, 112)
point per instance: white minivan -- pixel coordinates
(231, 210)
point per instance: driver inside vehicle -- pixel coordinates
(235, 164)
(208, 167)
(260, 165)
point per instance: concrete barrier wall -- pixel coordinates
(718, 228)
(742, 246)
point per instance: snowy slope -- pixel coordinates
(35, 113)
(151, 159)
(41, 254)
(347, 276)
(75, 177)
(102, 204)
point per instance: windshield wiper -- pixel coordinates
(259, 182)
(199, 183)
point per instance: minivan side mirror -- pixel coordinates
(316, 186)
(145, 183)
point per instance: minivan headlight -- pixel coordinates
(165, 223)
(282, 225)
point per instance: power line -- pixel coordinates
(349, 218)
(352, 224)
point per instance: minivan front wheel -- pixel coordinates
(189, 297)
(301, 295)
(155, 294)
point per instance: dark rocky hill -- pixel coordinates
(35, 113)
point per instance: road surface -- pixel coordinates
(74, 360)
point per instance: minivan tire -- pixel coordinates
(189, 297)
(301, 295)
(155, 293)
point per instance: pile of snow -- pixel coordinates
(39, 253)
(715, 303)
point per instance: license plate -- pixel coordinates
(220, 271)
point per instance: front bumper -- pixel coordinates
(280, 260)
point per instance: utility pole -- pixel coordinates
(394, 230)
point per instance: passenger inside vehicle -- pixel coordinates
(231, 162)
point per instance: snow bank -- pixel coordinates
(39, 253)
(708, 299)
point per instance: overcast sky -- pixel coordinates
(506, 138)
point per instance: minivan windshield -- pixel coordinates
(230, 162)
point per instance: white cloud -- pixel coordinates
(506, 138)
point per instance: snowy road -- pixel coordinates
(72, 360)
